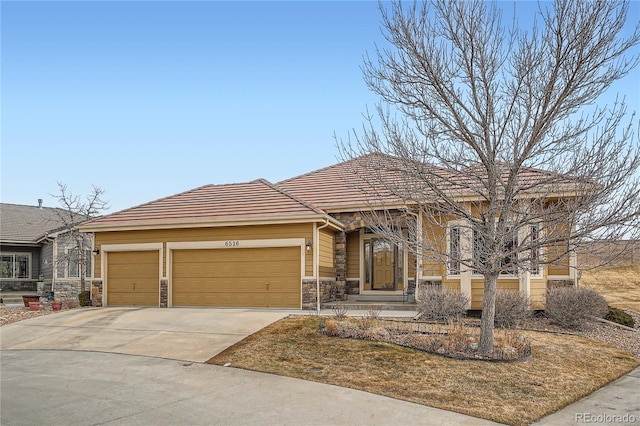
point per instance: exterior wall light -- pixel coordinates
(96, 251)
(308, 245)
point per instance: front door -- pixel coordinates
(383, 265)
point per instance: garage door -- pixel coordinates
(255, 277)
(133, 278)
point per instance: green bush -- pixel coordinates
(619, 316)
(84, 298)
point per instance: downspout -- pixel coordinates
(316, 261)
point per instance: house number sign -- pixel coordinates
(232, 243)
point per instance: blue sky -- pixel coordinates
(148, 99)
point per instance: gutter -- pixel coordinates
(316, 255)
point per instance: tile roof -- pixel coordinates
(256, 200)
(383, 180)
(348, 184)
(27, 224)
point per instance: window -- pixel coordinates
(535, 249)
(454, 250)
(74, 263)
(15, 265)
(479, 250)
(508, 262)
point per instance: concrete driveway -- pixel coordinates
(144, 367)
(187, 334)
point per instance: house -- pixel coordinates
(37, 252)
(259, 244)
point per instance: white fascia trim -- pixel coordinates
(131, 247)
(106, 248)
(231, 244)
(436, 277)
(212, 224)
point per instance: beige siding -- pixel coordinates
(353, 255)
(327, 249)
(477, 289)
(303, 230)
(538, 289)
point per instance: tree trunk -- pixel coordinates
(488, 314)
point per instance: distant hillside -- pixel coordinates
(592, 253)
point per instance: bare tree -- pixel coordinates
(493, 135)
(74, 209)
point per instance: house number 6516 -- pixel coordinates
(232, 243)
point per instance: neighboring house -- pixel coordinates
(260, 244)
(36, 252)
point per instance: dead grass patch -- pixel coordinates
(563, 369)
(620, 285)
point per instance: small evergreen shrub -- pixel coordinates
(512, 307)
(441, 304)
(572, 307)
(619, 316)
(84, 298)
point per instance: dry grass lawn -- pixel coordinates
(620, 285)
(563, 369)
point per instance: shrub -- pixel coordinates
(84, 298)
(373, 311)
(512, 306)
(340, 310)
(441, 304)
(69, 303)
(572, 307)
(619, 316)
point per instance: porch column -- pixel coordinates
(340, 255)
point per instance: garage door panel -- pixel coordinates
(133, 278)
(219, 269)
(236, 277)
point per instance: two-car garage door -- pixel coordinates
(238, 277)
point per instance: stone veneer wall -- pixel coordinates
(353, 287)
(330, 290)
(17, 285)
(63, 289)
(164, 292)
(96, 292)
(559, 283)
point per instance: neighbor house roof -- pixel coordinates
(254, 201)
(27, 224)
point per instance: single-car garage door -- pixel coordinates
(239, 277)
(133, 278)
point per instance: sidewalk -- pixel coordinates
(616, 403)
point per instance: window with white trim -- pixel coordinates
(453, 266)
(15, 266)
(73, 264)
(509, 261)
(535, 249)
